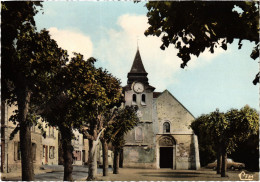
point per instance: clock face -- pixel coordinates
(138, 87)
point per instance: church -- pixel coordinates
(162, 138)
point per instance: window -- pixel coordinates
(77, 155)
(83, 156)
(43, 151)
(143, 99)
(134, 98)
(166, 127)
(138, 134)
(52, 131)
(17, 151)
(51, 152)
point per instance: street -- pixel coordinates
(56, 173)
(133, 174)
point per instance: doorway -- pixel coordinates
(166, 157)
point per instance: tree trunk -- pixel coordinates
(105, 157)
(116, 162)
(66, 135)
(23, 96)
(224, 163)
(121, 159)
(218, 159)
(2, 135)
(92, 161)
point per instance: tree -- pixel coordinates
(74, 92)
(209, 125)
(125, 120)
(78, 99)
(29, 59)
(227, 130)
(105, 138)
(109, 96)
(195, 26)
(243, 124)
(247, 152)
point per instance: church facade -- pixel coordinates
(162, 138)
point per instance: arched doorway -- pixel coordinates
(166, 152)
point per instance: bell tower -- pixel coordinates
(138, 91)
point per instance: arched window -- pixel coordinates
(143, 98)
(166, 127)
(138, 134)
(134, 97)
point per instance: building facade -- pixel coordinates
(50, 146)
(45, 150)
(10, 147)
(78, 145)
(162, 138)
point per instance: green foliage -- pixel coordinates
(207, 145)
(79, 96)
(29, 59)
(125, 120)
(194, 26)
(248, 153)
(15, 18)
(228, 129)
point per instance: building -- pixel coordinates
(45, 149)
(85, 151)
(10, 147)
(78, 144)
(162, 138)
(50, 146)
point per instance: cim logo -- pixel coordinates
(245, 177)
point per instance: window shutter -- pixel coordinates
(15, 151)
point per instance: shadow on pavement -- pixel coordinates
(173, 172)
(178, 174)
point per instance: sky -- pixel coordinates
(110, 31)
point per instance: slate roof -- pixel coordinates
(137, 72)
(137, 66)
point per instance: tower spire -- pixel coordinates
(137, 72)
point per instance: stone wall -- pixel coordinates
(171, 110)
(139, 156)
(184, 151)
(140, 150)
(145, 109)
(146, 135)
